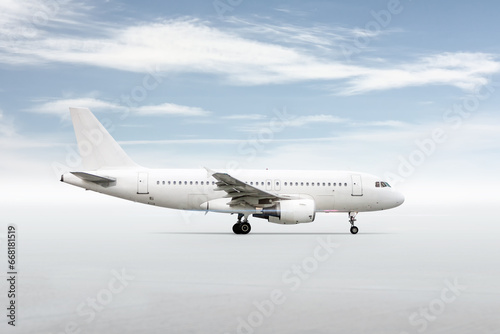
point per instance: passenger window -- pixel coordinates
(345, 184)
(340, 184)
(324, 184)
(163, 182)
(302, 183)
(168, 182)
(174, 182)
(334, 184)
(157, 182)
(329, 184)
(377, 184)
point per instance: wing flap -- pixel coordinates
(242, 193)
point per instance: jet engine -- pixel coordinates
(294, 211)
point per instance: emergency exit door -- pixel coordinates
(142, 183)
(357, 185)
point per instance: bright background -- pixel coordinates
(187, 84)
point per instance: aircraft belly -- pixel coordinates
(324, 202)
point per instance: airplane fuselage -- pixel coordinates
(195, 189)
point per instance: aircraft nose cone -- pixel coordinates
(400, 198)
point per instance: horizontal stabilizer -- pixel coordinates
(93, 178)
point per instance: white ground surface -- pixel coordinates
(192, 275)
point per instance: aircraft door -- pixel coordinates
(142, 183)
(357, 185)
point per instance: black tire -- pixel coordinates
(354, 229)
(245, 228)
(237, 228)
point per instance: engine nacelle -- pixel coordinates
(294, 211)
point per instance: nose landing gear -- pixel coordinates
(352, 219)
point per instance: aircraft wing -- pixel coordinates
(243, 193)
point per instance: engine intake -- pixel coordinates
(294, 211)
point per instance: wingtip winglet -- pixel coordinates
(210, 172)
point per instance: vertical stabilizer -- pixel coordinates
(97, 148)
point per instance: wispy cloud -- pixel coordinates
(320, 37)
(30, 19)
(171, 109)
(250, 54)
(388, 123)
(290, 122)
(60, 108)
(463, 70)
(486, 129)
(251, 117)
(314, 119)
(7, 128)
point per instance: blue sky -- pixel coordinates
(353, 85)
(406, 90)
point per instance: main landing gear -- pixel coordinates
(352, 219)
(242, 226)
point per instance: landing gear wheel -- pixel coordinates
(245, 228)
(352, 219)
(237, 228)
(354, 229)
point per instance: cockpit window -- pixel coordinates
(382, 184)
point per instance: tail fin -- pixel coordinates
(97, 148)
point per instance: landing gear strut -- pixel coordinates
(242, 226)
(352, 219)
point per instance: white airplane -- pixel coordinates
(280, 196)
